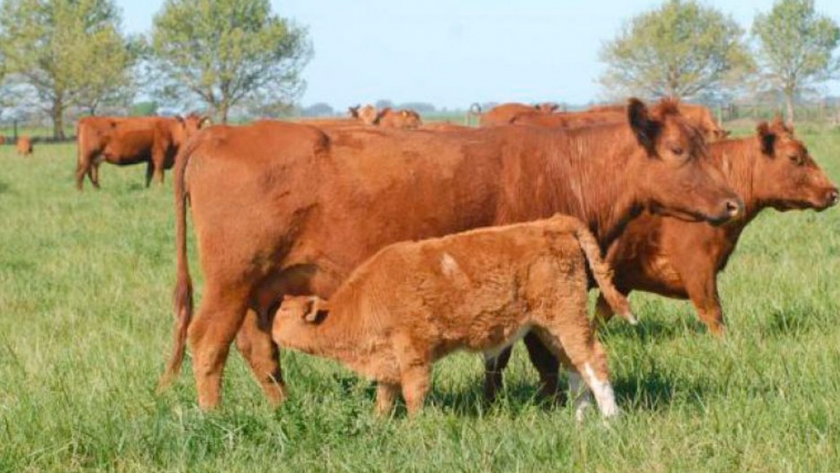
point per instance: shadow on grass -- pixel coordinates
(654, 330)
(4, 187)
(653, 392)
(793, 321)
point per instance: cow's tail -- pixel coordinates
(602, 273)
(183, 294)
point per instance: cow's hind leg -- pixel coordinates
(150, 171)
(493, 378)
(218, 319)
(255, 344)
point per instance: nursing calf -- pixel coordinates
(413, 303)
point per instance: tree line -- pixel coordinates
(687, 50)
(72, 55)
(62, 55)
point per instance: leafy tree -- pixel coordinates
(320, 109)
(224, 52)
(66, 52)
(796, 46)
(678, 50)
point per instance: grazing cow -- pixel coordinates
(279, 208)
(2, 140)
(505, 113)
(367, 114)
(413, 303)
(681, 260)
(699, 115)
(406, 119)
(24, 145)
(154, 140)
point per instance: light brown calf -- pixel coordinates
(413, 303)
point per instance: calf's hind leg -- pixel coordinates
(585, 355)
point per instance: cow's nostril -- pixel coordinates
(733, 208)
(832, 197)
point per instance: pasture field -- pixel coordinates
(85, 326)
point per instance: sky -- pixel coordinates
(452, 53)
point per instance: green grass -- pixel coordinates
(85, 325)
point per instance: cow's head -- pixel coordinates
(547, 107)
(786, 177)
(675, 174)
(368, 115)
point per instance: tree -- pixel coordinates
(678, 50)
(65, 52)
(224, 52)
(795, 47)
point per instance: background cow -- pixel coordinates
(24, 145)
(378, 186)
(505, 113)
(153, 140)
(679, 259)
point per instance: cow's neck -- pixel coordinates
(594, 184)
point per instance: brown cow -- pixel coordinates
(505, 113)
(24, 145)
(280, 208)
(681, 260)
(404, 118)
(154, 140)
(2, 140)
(701, 116)
(367, 114)
(413, 303)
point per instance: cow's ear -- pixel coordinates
(645, 128)
(354, 111)
(179, 119)
(766, 137)
(404, 113)
(205, 120)
(316, 309)
(381, 114)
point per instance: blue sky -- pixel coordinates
(452, 53)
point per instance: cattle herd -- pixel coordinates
(386, 243)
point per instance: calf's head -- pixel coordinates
(786, 176)
(297, 314)
(675, 175)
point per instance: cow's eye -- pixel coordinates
(678, 150)
(797, 159)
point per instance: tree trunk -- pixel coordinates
(223, 110)
(789, 104)
(58, 118)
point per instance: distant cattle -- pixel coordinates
(679, 259)
(506, 113)
(24, 145)
(123, 141)
(404, 118)
(413, 303)
(281, 208)
(2, 140)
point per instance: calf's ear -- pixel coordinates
(315, 307)
(767, 138)
(644, 127)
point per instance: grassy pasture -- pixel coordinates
(85, 325)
